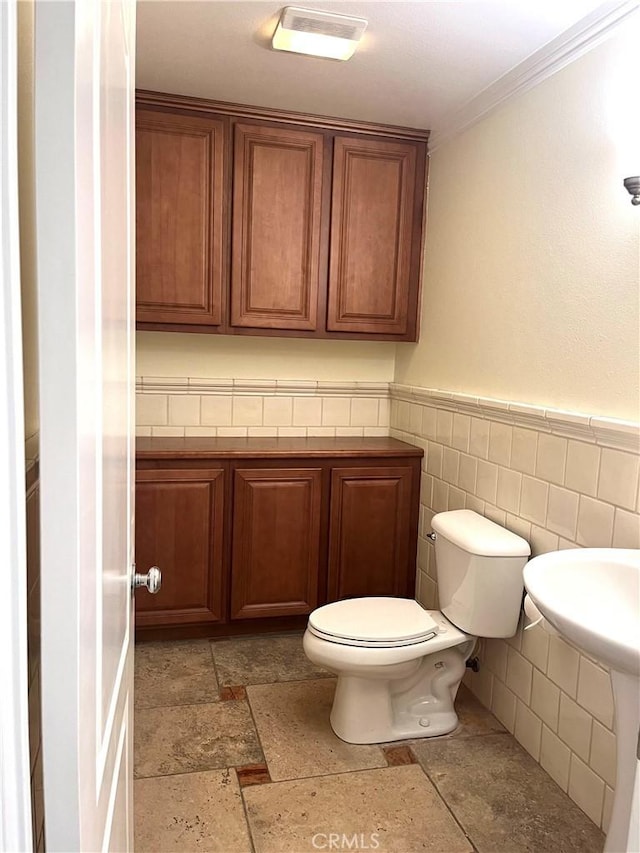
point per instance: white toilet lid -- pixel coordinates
(374, 621)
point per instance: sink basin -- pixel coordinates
(592, 596)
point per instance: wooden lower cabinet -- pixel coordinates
(370, 532)
(276, 542)
(256, 543)
(179, 527)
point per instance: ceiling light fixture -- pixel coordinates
(318, 33)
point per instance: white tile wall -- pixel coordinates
(564, 663)
(528, 730)
(618, 481)
(151, 410)
(583, 464)
(545, 699)
(626, 529)
(524, 448)
(574, 727)
(262, 408)
(552, 458)
(586, 788)
(560, 480)
(555, 757)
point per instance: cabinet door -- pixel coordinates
(370, 532)
(372, 236)
(179, 209)
(277, 206)
(276, 542)
(179, 527)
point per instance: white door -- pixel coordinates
(84, 55)
(15, 796)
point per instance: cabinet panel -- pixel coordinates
(179, 527)
(370, 532)
(276, 539)
(372, 229)
(179, 218)
(277, 206)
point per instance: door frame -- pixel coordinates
(15, 777)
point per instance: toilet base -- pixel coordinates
(375, 710)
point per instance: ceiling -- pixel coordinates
(418, 61)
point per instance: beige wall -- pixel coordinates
(26, 180)
(531, 283)
(225, 357)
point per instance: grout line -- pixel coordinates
(245, 811)
(384, 766)
(446, 805)
(291, 681)
(274, 781)
(215, 668)
(258, 738)
(217, 701)
(258, 636)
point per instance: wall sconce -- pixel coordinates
(633, 188)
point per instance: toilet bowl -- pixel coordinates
(399, 665)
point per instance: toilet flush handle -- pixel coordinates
(431, 536)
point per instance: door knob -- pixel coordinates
(152, 580)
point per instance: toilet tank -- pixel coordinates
(479, 567)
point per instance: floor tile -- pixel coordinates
(188, 738)
(294, 729)
(195, 811)
(263, 660)
(233, 693)
(253, 774)
(174, 673)
(398, 755)
(474, 718)
(395, 809)
(504, 800)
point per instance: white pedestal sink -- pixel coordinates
(592, 596)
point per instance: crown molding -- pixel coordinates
(552, 57)
(164, 100)
(608, 432)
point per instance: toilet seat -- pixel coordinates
(373, 622)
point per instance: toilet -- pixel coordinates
(399, 666)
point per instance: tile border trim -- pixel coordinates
(605, 431)
(609, 432)
(265, 387)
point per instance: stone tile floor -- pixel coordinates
(234, 754)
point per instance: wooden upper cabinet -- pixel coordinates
(372, 522)
(375, 223)
(252, 221)
(179, 218)
(277, 209)
(276, 542)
